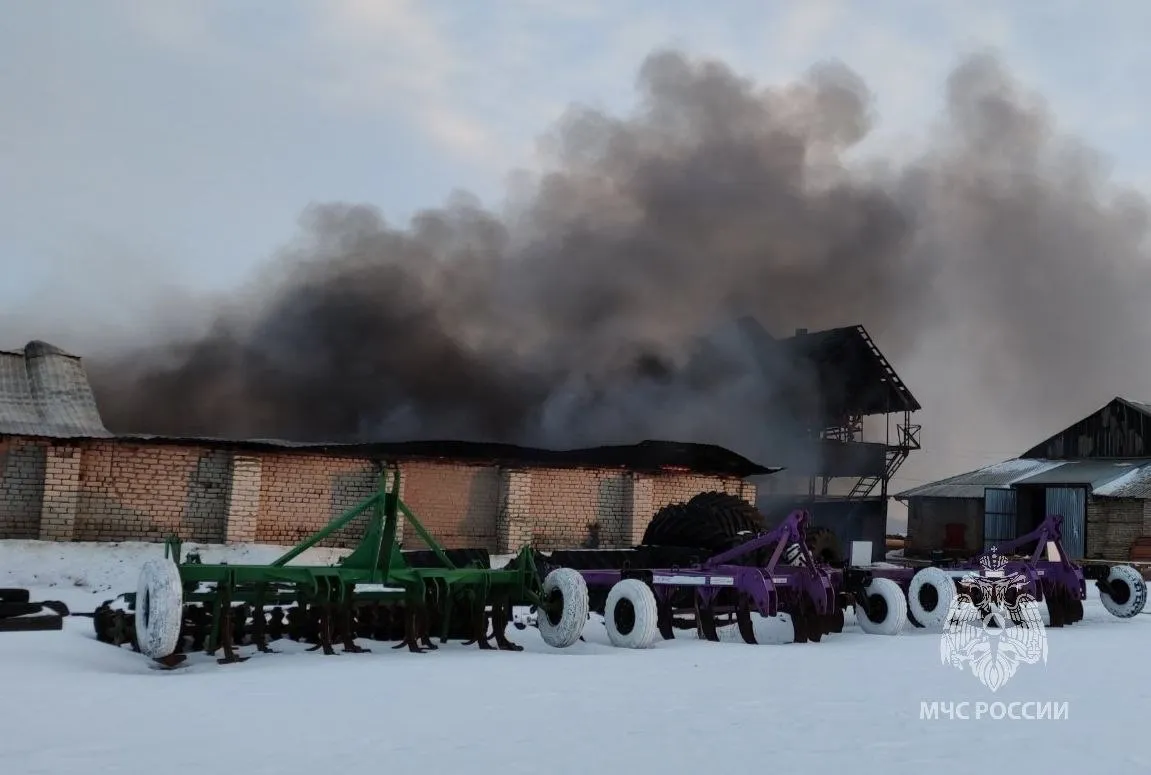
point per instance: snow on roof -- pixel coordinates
(1091, 472)
(1133, 484)
(1107, 478)
(973, 483)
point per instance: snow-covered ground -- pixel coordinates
(849, 704)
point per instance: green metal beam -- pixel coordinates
(431, 542)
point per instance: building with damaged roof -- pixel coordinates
(64, 476)
(1096, 473)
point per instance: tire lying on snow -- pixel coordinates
(564, 590)
(1126, 592)
(929, 597)
(886, 610)
(159, 608)
(630, 615)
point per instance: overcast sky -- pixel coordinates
(174, 143)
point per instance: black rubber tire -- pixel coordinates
(14, 595)
(46, 620)
(9, 610)
(824, 545)
(710, 522)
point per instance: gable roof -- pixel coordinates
(1116, 430)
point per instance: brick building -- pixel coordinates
(1096, 474)
(64, 477)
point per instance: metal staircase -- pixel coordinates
(895, 457)
(907, 433)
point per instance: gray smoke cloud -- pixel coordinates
(998, 266)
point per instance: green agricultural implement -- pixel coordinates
(377, 592)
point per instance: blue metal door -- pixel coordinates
(999, 516)
(1071, 504)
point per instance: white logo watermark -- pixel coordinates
(1014, 711)
(994, 625)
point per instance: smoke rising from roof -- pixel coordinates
(1000, 262)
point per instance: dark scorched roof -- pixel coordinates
(852, 375)
(647, 456)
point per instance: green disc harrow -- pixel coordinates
(377, 592)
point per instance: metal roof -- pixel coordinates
(1135, 483)
(1090, 473)
(973, 483)
(851, 375)
(854, 374)
(1114, 478)
(44, 391)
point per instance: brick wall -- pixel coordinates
(1113, 523)
(141, 492)
(121, 491)
(299, 494)
(681, 487)
(457, 504)
(21, 488)
(61, 492)
(570, 506)
(608, 508)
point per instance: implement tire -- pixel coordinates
(929, 597)
(888, 608)
(566, 590)
(14, 595)
(1126, 593)
(711, 522)
(159, 608)
(631, 615)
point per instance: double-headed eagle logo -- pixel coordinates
(994, 624)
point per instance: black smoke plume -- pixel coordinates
(999, 265)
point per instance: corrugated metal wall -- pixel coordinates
(1000, 516)
(1071, 504)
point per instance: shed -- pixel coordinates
(1095, 473)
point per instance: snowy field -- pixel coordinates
(848, 704)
